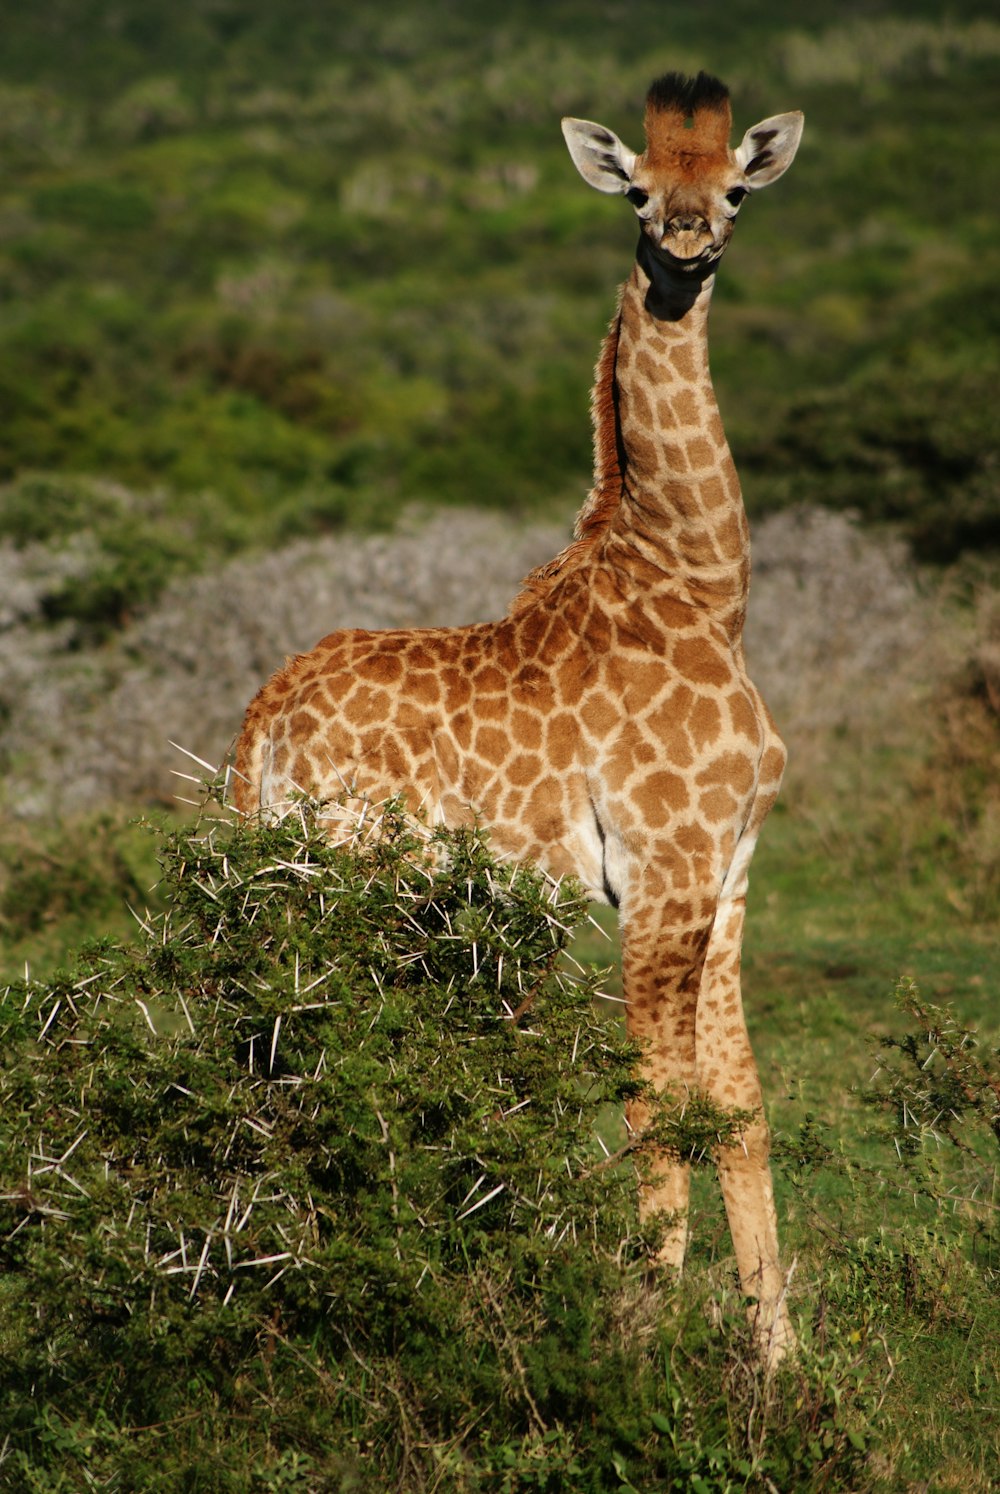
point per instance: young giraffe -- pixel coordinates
(606, 727)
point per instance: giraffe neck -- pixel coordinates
(680, 513)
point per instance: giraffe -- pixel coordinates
(605, 728)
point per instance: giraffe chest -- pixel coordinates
(599, 759)
(676, 745)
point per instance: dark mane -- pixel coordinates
(676, 93)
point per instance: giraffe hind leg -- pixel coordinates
(727, 1073)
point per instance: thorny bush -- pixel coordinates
(307, 1193)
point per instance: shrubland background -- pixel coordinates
(298, 311)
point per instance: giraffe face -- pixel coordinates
(688, 184)
(687, 207)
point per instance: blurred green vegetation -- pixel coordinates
(289, 266)
(73, 881)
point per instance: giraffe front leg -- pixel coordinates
(666, 1191)
(661, 974)
(727, 1073)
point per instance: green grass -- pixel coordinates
(371, 1236)
(93, 876)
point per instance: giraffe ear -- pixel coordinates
(599, 156)
(767, 150)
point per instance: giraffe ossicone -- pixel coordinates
(606, 727)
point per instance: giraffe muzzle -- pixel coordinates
(688, 240)
(686, 235)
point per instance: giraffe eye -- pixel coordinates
(637, 197)
(736, 196)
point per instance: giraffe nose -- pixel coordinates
(687, 223)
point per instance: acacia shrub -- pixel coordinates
(342, 1099)
(306, 1193)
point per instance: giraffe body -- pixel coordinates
(570, 728)
(605, 728)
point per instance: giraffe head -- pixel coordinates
(687, 185)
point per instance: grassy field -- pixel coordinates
(269, 275)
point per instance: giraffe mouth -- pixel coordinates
(687, 248)
(689, 262)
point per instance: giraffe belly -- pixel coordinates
(469, 725)
(546, 820)
(376, 764)
(450, 772)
